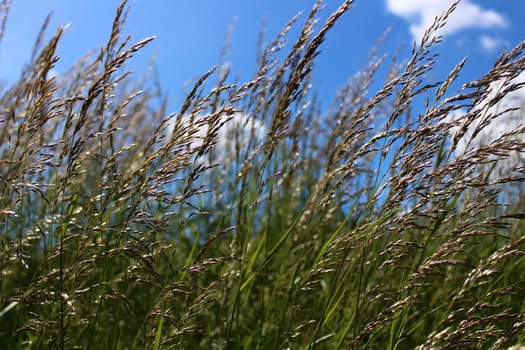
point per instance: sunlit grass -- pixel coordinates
(250, 218)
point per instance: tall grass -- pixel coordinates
(360, 226)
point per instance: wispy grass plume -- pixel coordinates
(253, 219)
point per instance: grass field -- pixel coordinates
(251, 218)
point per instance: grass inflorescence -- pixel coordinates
(252, 219)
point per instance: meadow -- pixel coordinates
(253, 219)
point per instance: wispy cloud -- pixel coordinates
(236, 132)
(506, 116)
(421, 14)
(490, 43)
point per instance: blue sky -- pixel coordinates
(190, 34)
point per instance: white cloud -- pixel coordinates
(505, 122)
(489, 43)
(421, 14)
(239, 129)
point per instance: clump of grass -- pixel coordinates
(359, 226)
